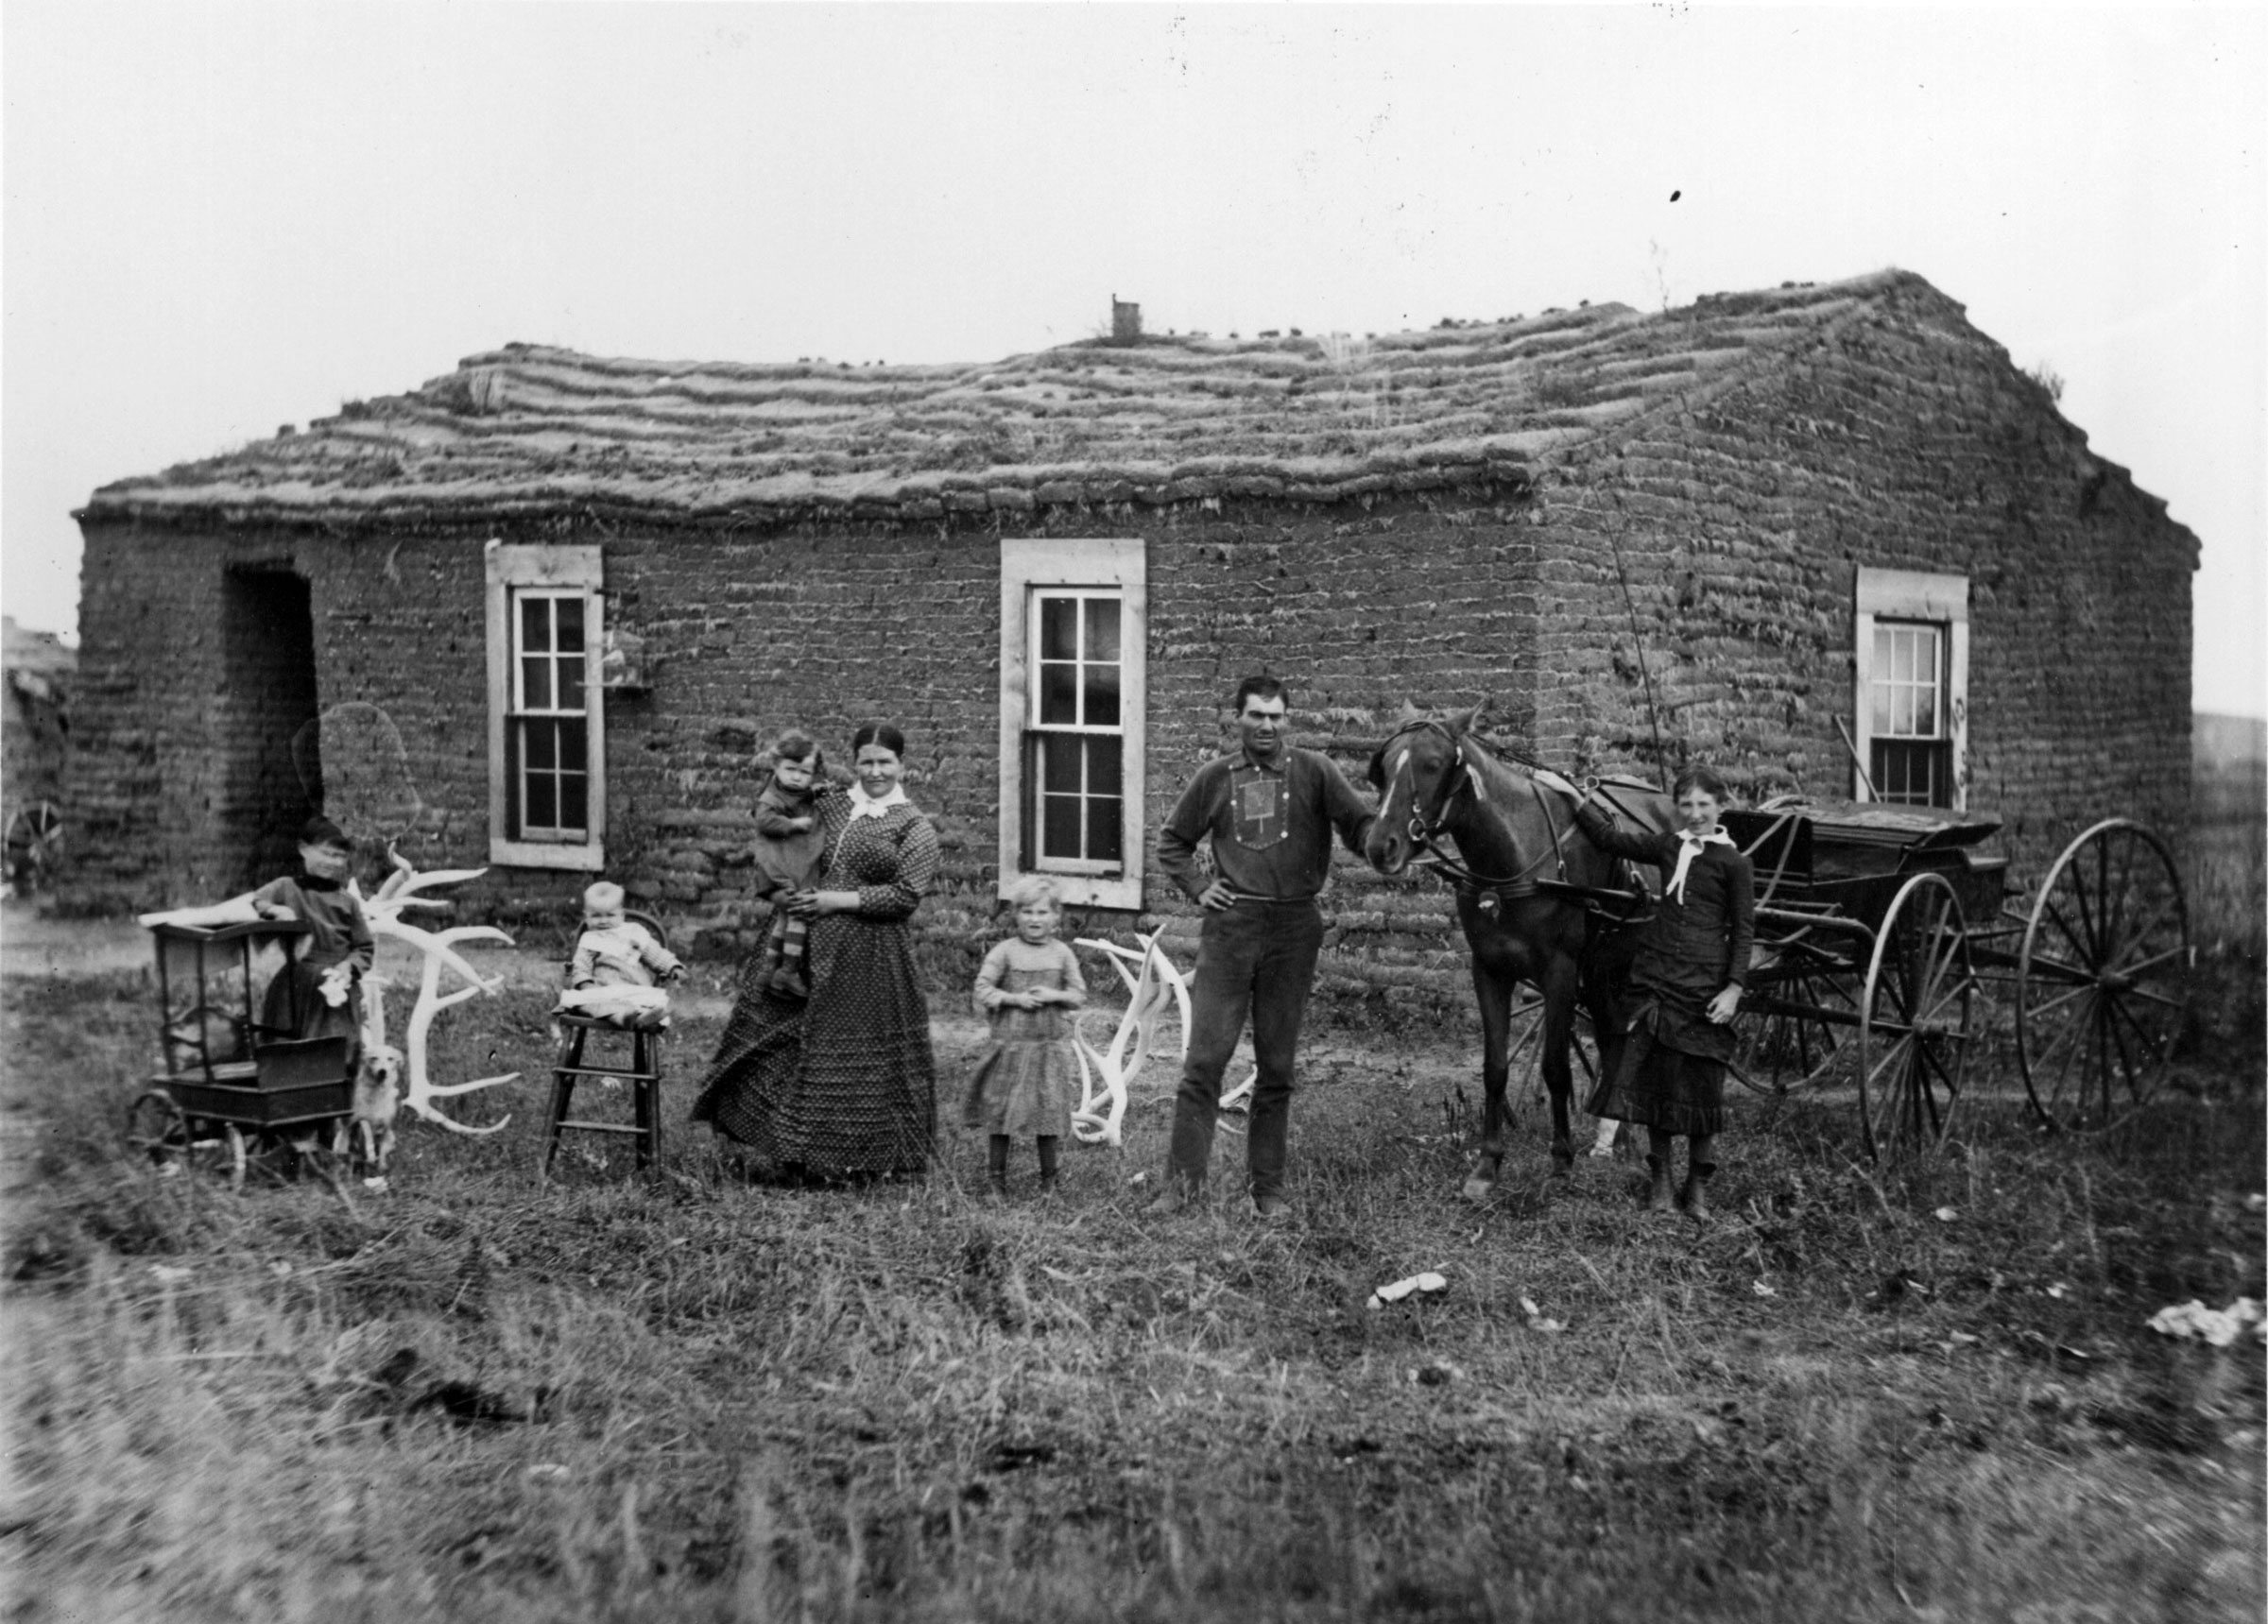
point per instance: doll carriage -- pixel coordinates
(232, 1089)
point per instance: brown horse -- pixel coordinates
(1527, 882)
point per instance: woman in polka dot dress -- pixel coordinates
(842, 1083)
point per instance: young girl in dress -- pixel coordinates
(1665, 1066)
(1027, 1082)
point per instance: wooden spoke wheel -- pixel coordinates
(1798, 1026)
(2103, 980)
(234, 1154)
(156, 1130)
(1524, 1056)
(1917, 1021)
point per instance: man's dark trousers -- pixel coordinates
(1256, 957)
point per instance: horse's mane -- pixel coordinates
(1496, 744)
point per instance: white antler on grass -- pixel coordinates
(1153, 986)
(436, 948)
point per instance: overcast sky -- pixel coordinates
(221, 218)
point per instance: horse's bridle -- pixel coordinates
(1424, 832)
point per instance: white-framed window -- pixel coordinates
(547, 773)
(1073, 680)
(1911, 663)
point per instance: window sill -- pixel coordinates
(590, 859)
(1086, 889)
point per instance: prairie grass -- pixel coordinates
(2225, 874)
(1911, 1392)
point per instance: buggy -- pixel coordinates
(1887, 934)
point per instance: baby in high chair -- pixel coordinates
(617, 963)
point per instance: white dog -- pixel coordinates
(377, 1100)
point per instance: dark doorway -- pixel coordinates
(261, 794)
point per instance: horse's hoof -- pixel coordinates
(1479, 1190)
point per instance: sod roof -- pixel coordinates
(528, 431)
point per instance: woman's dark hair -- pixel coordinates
(879, 733)
(1700, 779)
(1268, 688)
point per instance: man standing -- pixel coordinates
(1270, 809)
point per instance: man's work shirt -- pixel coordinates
(1270, 826)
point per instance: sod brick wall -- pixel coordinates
(1904, 439)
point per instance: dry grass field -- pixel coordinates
(1918, 1394)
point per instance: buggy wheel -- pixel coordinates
(232, 1147)
(1523, 1055)
(1799, 1031)
(1917, 1021)
(156, 1129)
(2103, 980)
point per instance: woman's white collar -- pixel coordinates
(864, 804)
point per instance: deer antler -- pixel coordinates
(1154, 985)
(436, 948)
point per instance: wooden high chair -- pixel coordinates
(641, 1068)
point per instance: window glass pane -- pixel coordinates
(1103, 815)
(1058, 628)
(1102, 696)
(1103, 767)
(541, 740)
(535, 684)
(1901, 657)
(535, 624)
(571, 624)
(542, 801)
(1102, 629)
(1060, 765)
(575, 754)
(1881, 711)
(1058, 694)
(1059, 826)
(1881, 654)
(570, 683)
(574, 801)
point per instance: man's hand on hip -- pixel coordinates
(1216, 897)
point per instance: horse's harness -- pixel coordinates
(1491, 891)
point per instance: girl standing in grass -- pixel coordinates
(1027, 1082)
(1665, 1066)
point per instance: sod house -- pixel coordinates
(569, 599)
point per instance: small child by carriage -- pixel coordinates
(318, 992)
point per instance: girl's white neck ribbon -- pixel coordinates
(1689, 847)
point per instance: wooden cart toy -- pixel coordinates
(230, 1086)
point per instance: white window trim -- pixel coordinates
(1912, 595)
(1119, 565)
(573, 566)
